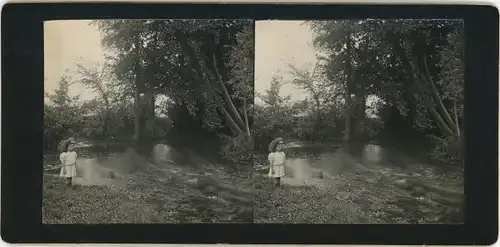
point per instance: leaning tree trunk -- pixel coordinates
(439, 102)
(446, 126)
(227, 99)
(245, 114)
(212, 62)
(442, 123)
(227, 108)
(459, 134)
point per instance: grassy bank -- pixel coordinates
(97, 204)
(151, 194)
(303, 204)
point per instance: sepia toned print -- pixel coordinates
(359, 121)
(147, 121)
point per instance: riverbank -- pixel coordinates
(360, 194)
(148, 193)
(303, 204)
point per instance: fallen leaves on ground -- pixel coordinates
(358, 196)
(152, 194)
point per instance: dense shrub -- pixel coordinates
(447, 150)
(237, 150)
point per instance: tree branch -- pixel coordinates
(435, 93)
(456, 118)
(230, 121)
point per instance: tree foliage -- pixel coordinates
(203, 66)
(62, 115)
(414, 66)
(200, 64)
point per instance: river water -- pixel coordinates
(96, 160)
(306, 161)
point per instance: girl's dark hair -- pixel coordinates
(66, 146)
(275, 147)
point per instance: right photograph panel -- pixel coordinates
(359, 121)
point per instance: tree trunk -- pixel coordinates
(137, 107)
(148, 113)
(230, 122)
(358, 116)
(148, 104)
(138, 87)
(316, 94)
(410, 102)
(318, 108)
(362, 82)
(456, 119)
(360, 104)
(245, 114)
(107, 123)
(348, 100)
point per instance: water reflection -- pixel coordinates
(102, 163)
(164, 153)
(373, 153)
(154, 152)
(306, 162)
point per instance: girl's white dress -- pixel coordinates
(277, 161)
(68, 160)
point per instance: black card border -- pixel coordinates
(22, 121)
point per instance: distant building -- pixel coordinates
(90, 114)
(300, 115)
(91, 117)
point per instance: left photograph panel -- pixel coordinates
(148, 121)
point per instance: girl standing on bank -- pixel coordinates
(68, 162)
(277, 162)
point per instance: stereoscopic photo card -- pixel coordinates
(249, 123)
